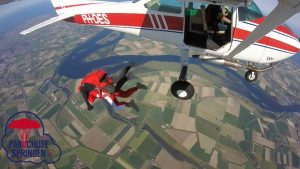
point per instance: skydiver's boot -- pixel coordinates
(132, 104)
(141, 86)
(90, 107)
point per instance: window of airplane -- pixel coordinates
(170, 6)
(251, 12)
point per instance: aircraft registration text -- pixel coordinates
(95, 19)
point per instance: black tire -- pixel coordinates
(251, 75)
(182, 90)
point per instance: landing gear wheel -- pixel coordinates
(182, 90)
(251, 75)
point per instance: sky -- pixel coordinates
(13, 7)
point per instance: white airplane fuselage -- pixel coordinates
(136, 19)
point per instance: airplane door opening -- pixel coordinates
(206, 25)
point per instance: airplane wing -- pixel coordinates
(225, 2)
(282, 12)
(46, 23)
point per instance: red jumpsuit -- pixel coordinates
(93, 86)
(112, 98)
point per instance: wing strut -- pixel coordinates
(283, 11)
(46, 23)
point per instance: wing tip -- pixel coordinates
(23, 33)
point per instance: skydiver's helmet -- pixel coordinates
(225, 10)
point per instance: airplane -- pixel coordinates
(244, 38)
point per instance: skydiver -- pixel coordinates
(215, 14)
(98, 85)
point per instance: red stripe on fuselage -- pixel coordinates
(135, 20)
(161, 21)
(119, 19)
(243, 34)
(155, 21)
(174, 23)
(280, 28)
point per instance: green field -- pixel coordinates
(259, 151)
(116, 165)
(219, 93)
(228, 142)
(138, 140)
(200, 153)
(222, 163)
(110, 126)
(63, 161)
(101, 161)
(146, 110)
(168, 115)
(245, 116)
(52, 111)
(143, 69)
(107, 148)
(132, 158)
(154, 167)
(28, 84)
(1, 120)
(39, 108)
(68, 166)
(64, 146)
(99, 109)
(149, 149)
(64, 118)
(75, 130)
(159, 65)
(12, 109)
(209, 129)
(296, 160)
(212, 109)
(80, 115)
(140, 149)
(246, 146)
(141, 95)
(253, 125)
(233, 120)
(249, 165)
(37, 102)
(122, 133)
(165, 137)
(85, 154)
(282, 128)
(193, 111)
(157, 115)
(266, 164)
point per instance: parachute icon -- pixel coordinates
(24, 126)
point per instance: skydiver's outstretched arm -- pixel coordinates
(121, 74)
(120, 83)
(120, 78)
